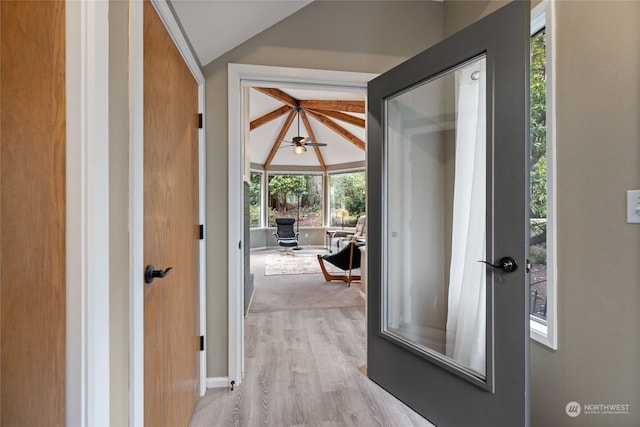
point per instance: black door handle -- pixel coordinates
(506, 264)
(150, 273)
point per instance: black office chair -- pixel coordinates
(286, 236)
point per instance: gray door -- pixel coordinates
(448, 334)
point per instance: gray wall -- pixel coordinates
(598, 136)
(598, 150)
(309, 236)
(356, 36)
(598, 154)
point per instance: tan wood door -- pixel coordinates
(32, 213)
(171, 325)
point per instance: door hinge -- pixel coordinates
(240, 244)
(201, 342)
(528, 265)
(201, 233)
(200, 119)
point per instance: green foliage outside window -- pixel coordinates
(348, 192)
(538, 204)
(538, 177)
(287, 192)
(254, 199)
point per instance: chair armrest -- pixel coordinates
(342, 234)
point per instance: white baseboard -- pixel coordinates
(363, 295)
(217, 382)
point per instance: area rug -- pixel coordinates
(276, 264)
(303, 292)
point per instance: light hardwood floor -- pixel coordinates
(302, 368)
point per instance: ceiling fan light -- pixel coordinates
(299, 149)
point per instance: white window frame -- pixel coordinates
(546, 333)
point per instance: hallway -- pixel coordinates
(303, 368)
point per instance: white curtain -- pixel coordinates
(466, 331)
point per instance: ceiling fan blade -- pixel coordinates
(315, 144)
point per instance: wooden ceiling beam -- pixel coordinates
(352, 120)
(279, 95)
(346, 106)
(280, 138)
(307, 126)
(269, 116)
(338, 129)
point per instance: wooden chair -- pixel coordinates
(347, 259)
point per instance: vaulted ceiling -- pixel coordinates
(334, 118)
(214, 27)
(327, 115)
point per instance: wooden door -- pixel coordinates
(32, 213)
(171, 326)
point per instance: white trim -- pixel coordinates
(202, 215)
(241, 75)
(136, 213)
(543, 16)
(173, 28)
(87, 207)
(217, 382)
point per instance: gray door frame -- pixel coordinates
(440, 396)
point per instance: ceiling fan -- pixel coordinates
(300, 143)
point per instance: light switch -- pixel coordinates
(633, 207)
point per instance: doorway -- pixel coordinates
(240, 78)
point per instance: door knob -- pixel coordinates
(506, 264)
(150, 273)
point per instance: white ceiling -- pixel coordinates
(214, 27)
(338, 150)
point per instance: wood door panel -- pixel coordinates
(32, 213)
(171, 322)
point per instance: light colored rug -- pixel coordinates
(285, 289)
(303, 292)
(276, 264)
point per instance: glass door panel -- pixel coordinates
(434, 289)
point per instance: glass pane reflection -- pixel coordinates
(435, 217)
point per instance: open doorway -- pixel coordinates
(306, 153)
(241, 79)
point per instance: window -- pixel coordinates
(296, 196)
(542, 185)
(255, 200)
(347, 196)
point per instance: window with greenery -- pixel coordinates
(347, 195)
(296, 196)
(255, 199)
(542, 186)
(538, 177)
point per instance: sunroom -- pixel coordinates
(307, 161)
